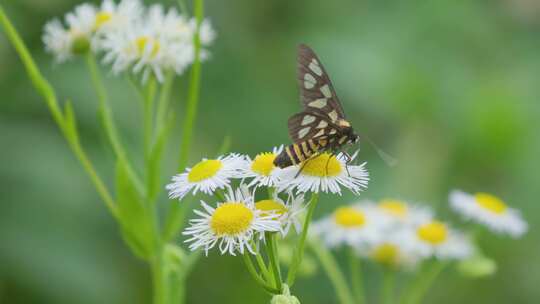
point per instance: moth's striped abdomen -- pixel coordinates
(297, 153)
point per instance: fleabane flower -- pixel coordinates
(403, 212)
(436, 239)
(112, 16)
(262, 168)
(206, 176)
(490, 211)
(325, 173)
(351, 225)
(288, 213)
(390, 251)
(234, 225)
(64, 42)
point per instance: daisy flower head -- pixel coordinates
(436, 239)
(288, 213)
(262, 168)
(64, 42)
(232, 225)
(403, 212)
(490, 211)
(390, 251)
(206, 176)
(112, 16)
(352, 225)
(325, 173)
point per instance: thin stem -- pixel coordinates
(107, 118)
(261, 263)
(148, 109)
(423, 282)
(331, 267)
(299, 252)
(356, 277)
(163, 102)
(253, 272)
(158, 280)
(271, 250)
(193, 91)
(387, 288)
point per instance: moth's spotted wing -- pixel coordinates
(316, 90)
(310, 125)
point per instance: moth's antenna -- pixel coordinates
(387, 158)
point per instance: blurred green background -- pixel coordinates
(449, 88)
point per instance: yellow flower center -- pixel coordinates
(263, 163)
(394, 207)
(386, 254)
(323, 165)
(349, 217)
(204, 169)
(490, 202)
(231, 218)
(101, 19)
(433, 233)
(271, 206)
(142, 43)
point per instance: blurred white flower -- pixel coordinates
(436, 239)
(352, 225)
(288, 213)
(403, 212)
(490, 211)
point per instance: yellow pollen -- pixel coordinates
(143, 41)
(263, 163)
(386, 254)
(323, 165)
(434, 232)
(101, 19)
(231, 218)
(271, 205)
(204, 169)
(490, 202)
(349, 217)
(394, 207)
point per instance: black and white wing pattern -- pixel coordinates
(316, 90)
(311, 124)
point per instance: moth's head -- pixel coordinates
(347, 129)
(353, 137)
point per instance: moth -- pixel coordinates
(322, 126)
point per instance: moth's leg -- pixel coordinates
(348, 160)
(304, 163)
(333, 153)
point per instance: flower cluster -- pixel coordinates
(130, 36)
(392, 232)
(239, 220)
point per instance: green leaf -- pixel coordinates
(135, 220)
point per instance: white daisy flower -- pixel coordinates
(206, 176)
(262, 168)
(112, 16)
(404, 213)
(232, 225)
(352, 225)
(391, 251)
(436, 239)
(325, 173)
(65, 42)
(288, 213)
(490, 211)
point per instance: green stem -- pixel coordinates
(47, 92)
(261, 263)
(423, 282)
(271, 250)
(159, 279)
(356, 277)
(107, 120)
(148, 110)
(331, 268)
(299, 252)
(253, 272)
(193, 91)
(387, 288)
(163, 102)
